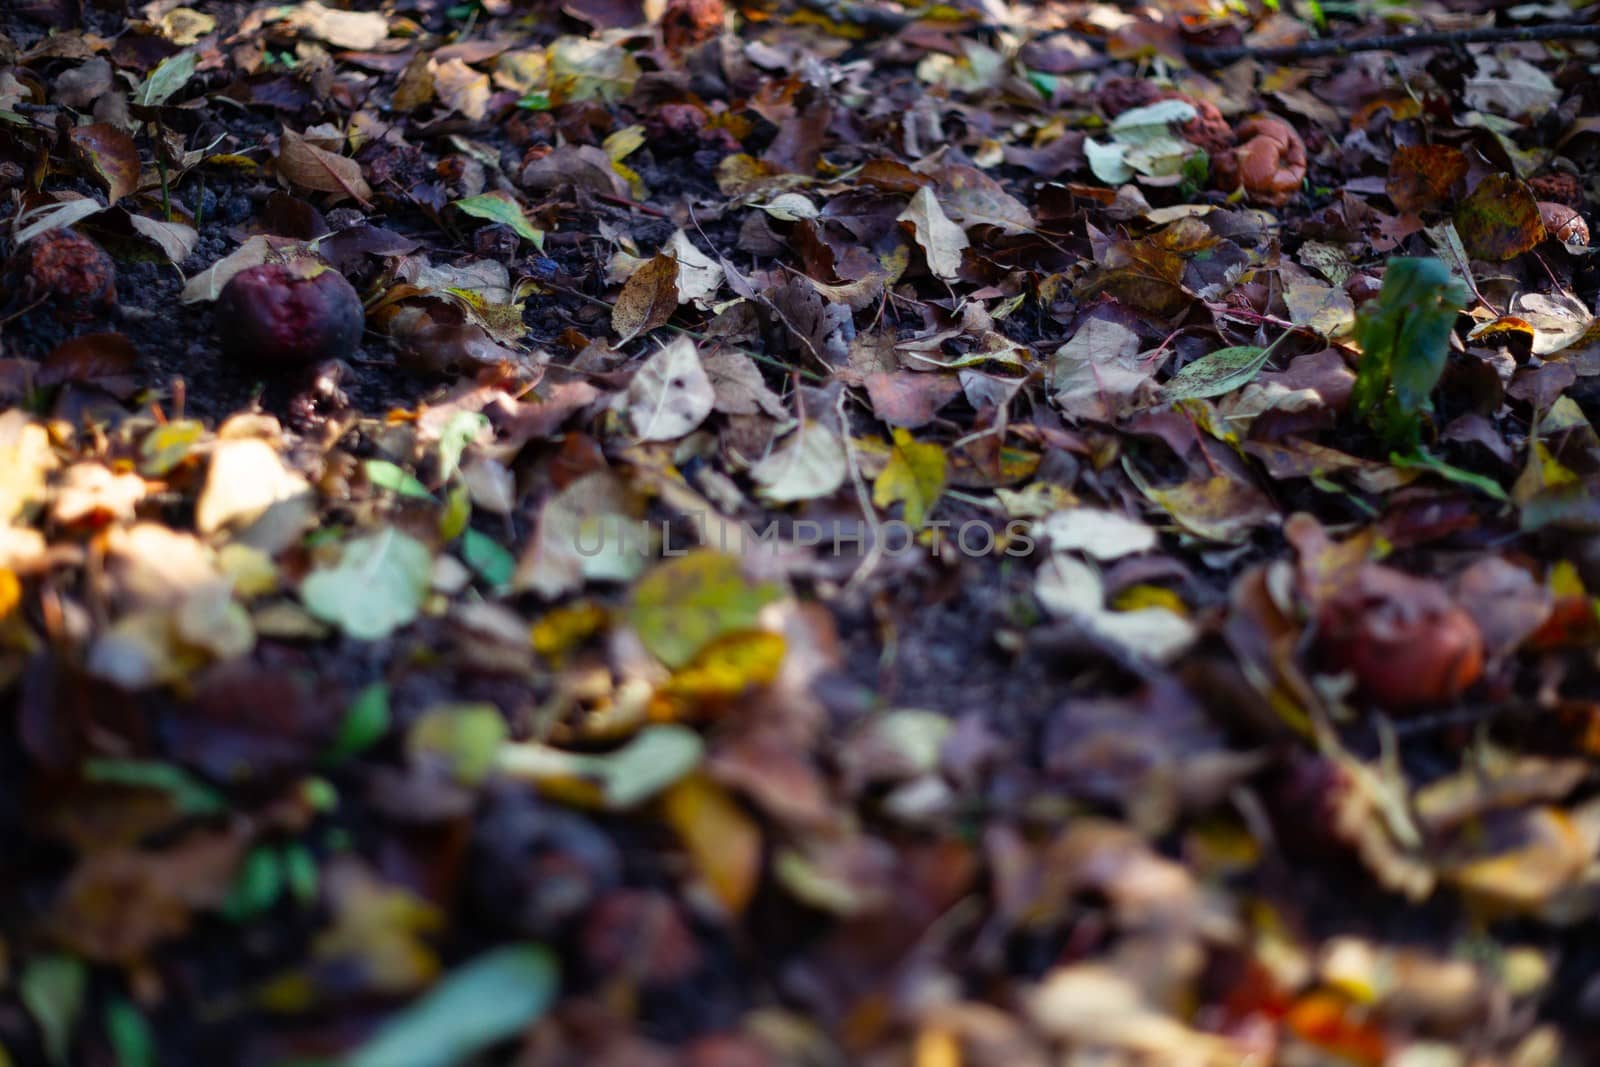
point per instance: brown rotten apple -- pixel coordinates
(68, 272)
(1269, 163)
(289, 315)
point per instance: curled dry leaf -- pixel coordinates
(303, 164)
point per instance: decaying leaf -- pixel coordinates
(810, 464)
(648, 298)
(1500, 219)
(670, 393)
(942, 241)
(307, 166)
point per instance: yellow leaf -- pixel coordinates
(722, 839)
(560, 631)
(936, 1047)
(1149, 596)
(913, 476)
(621, 144)
(721, 672)
(10, 592)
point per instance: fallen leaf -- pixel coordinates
(1422, 176)
(914, 476)
(670, 394)
(1500, 219)
(724, 843)
(356, 30)
(684, 604)
(250, 493)
(461, 89)
(113, 155)
(811, 464)
(501, 207)
(640, 770)
(487, 1000)
(648, 298)
(168, 77)
(303, 164)
(376, 587)
(1105, 535)
(942, 241)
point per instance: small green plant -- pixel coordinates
(1405, 338)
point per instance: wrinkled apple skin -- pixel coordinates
(69, 272)
(288, 315)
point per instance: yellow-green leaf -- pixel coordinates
(502, 208)
(914, 476)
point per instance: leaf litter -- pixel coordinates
(948, 537)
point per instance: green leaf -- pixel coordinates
(463, 428)
(364, 725)
(192, 796)
(457, 512)
(1221, 372)
(300, 872)
(52, 988)
(257, 886)
(465, 738)
(914, 475)
(377, 587)
(486, 556)
(386, 475)
(1405, 339)
(686, 603)
(1423, 460)
(500, 207)
(129, 1034)
(170, 75)
(492, 998)
(657, 757)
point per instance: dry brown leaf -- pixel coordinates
(303, 164)
(648, 298)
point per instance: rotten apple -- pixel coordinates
(68, 272)
(287, 315)
(1407, 642)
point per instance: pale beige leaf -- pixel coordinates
(670, 395)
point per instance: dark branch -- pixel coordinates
(1396, 42)
(880, 20)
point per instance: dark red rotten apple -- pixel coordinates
(289, 315)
